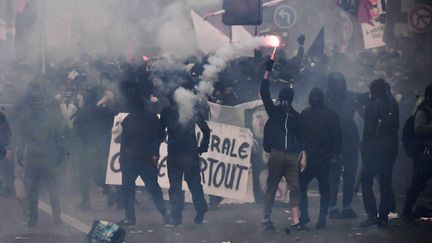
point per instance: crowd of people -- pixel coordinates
(58, 123)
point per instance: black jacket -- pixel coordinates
(322, 134)
(283, 131)
(140, 138)
(181, 137)
(381, 127)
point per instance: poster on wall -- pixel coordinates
(371, 15)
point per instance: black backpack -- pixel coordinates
(413, 143)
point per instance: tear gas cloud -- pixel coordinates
(217, 63)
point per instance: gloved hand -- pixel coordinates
(202, 149)
(301, 39)
(269, 65)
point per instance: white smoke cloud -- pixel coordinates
(217, 63)
(186, 101)
(176, 36)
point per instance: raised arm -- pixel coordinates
(265, 89)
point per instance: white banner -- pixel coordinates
(224, 168)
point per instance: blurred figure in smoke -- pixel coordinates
(93, 127)
(345, 104)
(183, 160)
(323, 144)
(283, 140)
(139, 154)
(422, 157)
(6, 162)
(42, 149)
(379, 151)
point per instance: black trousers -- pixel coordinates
(7, 171)
(422, 171)
(148, 172)
(320, 170)
(189, 167)
(380, 165)
(39, 173)
(349, 161)
(92, 165)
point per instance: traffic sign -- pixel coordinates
(420, 18)
(285, 16)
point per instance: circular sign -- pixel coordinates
(420, 18)
(285, 16)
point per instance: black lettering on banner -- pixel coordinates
(204, 166)
(112, 163)
(215, 141)
(241, 167)
(162, 164)
(226, 144)
(220, 167)
(232, 154)
(242, 150)
(212, 162)
(229, 178)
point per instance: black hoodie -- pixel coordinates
(322, 129)
(283, 130)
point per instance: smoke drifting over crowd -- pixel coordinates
(217, 63)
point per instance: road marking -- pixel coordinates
(71, 221)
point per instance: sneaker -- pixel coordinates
(126, 222)
(393, 215)
(199, 218)
(369, 222)
(408, 220)
(347, 213)
(268, 225)
(168, 221)
(321, 224)
(334, 214)
(299, 227)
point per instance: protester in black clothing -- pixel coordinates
(379, 151)
(6, 163)
(183, 160)
(42, 150)
(345, 104)
(422, 159)
(139, 155)
(93, 126)
(322, 138)
(282, 139)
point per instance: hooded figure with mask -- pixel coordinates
(379, 150)
(139, 154)
(42, 149)
(345, 103)
(283, 140)
(183, 159)
(322, 138)
(422, 163)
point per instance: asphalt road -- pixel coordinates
(229, 223)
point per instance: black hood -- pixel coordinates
(378, 88)
(316, 98)
(286, 95)
(337, 84)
